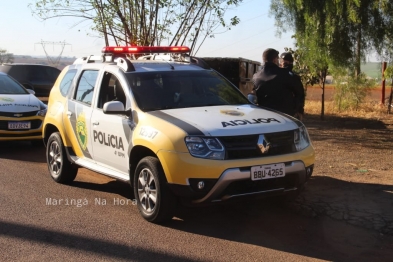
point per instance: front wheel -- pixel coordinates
(155, 201)
(60, 168)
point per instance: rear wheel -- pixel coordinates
(60, 168)
(155, 201)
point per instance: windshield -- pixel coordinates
(10, 86)
(181, 89)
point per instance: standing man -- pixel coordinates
(273, 86)
(286, 61)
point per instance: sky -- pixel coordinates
(23, 34)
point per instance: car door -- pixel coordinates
(111, 134)
(77, 120)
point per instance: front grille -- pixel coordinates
(23, 114)
(241, 147)
(248, 186)
(35, 124)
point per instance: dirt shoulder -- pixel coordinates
(353, 176)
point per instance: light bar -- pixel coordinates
(144, 49)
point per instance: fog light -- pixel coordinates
(201, 185)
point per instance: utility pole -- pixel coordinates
(383, 83)
(53, 61)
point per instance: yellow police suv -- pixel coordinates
(174, 128)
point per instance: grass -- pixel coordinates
(365, 110)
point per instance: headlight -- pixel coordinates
(302, 139)
(43, 109)
(42, 113)
(205, 147)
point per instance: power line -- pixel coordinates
(53, 61)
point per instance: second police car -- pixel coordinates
(175, 129)
(21, 112)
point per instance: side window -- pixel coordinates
(110, 90)
(85, 89)
(66, 83)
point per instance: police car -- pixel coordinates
(21, 112)
(174, 128)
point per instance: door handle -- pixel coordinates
(96, 123)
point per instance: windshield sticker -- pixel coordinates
(81, 130)
(248, 122)
(148, 132)
(232, 112)
(108, 140)
(7, 99)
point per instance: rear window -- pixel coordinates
(10, 86)
(31, 73)
(40, 73)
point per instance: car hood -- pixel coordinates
(19, 103)
(227, 120)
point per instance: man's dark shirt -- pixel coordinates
(275, 89)
(298, 92)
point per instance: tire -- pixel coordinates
(60, 168)
(156, 203)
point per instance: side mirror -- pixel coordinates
(114, 108)
(252, 98)
(31, 91)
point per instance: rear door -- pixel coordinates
(77, 118)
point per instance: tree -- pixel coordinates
(145, 22)
(334, 33)
(349, 28)
(6, 57)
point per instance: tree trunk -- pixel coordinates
(358, 50)
(322, 78)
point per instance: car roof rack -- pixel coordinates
(177, 58)
(89, 59)
(124, 55)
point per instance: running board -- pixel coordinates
(101, 169)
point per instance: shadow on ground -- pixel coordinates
(369, 133)
(347, 122)
(316, 225)
(17, 150)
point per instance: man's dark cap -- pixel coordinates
(287, 56)
(269, 55)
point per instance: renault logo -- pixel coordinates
(18, 115)
(263, 144)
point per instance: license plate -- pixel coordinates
(267, 171)
(19, 125)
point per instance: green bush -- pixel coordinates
(351, 91)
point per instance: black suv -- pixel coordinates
(39, 78)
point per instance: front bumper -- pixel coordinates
(35, 132)
(236, 183)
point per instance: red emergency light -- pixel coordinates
(144, 49)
